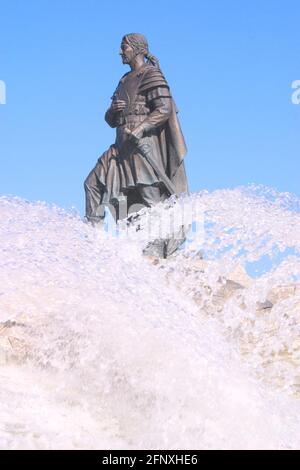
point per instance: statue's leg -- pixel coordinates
(151, 195)
(94, 209)
(161, 247)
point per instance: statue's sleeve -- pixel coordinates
(156, 89)
(153, 78)
(160, 105)
(110, 118)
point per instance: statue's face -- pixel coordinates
(126, 52)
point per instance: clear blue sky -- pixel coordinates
(230, 65)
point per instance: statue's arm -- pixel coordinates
(160, 104)
(110, 117)
(161, 109)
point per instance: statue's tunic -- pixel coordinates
(122, 168)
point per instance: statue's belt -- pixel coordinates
(130, 118)
(136, 110)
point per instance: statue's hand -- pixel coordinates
(118, 105)
(130, 135)
(138, 132)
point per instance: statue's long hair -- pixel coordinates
(140, 46)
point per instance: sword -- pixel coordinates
(145, 151)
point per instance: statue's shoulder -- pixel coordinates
(152, 78)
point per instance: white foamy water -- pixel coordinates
(102, 349)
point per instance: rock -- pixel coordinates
(199, 264)
(279, 293)
(240, 276)
(14, 344)
(262, 306)
(225, 292)
(276, 295)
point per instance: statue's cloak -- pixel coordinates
(170, 136)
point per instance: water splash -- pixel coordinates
(102, 349)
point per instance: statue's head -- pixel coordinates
(133, 44)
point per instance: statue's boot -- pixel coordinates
(165, 247)
(95, 221)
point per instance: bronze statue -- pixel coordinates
(145, 164)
